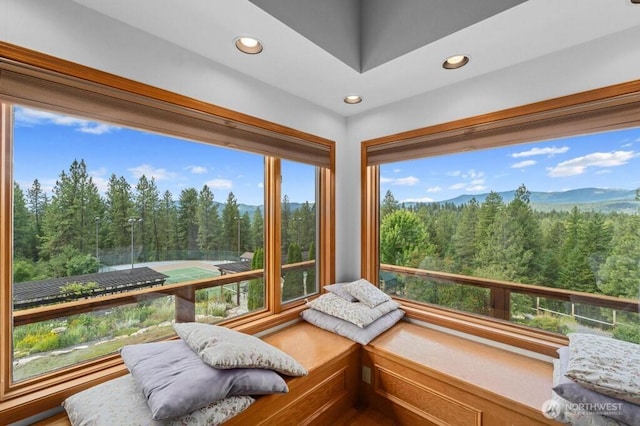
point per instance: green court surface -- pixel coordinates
(188, 274)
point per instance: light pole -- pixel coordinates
(238, 219)
(97, 219)
(133, 222)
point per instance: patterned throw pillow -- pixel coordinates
(221, 347)
(366, 293)
(356, 313)
(605, 365)
(120, 402)
(574, 392)
(338, 289)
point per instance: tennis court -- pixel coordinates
(188, 274)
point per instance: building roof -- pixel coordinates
(36, 293)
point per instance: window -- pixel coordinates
(299, 230)
(100, 210)
(123, 212)
(529, 215)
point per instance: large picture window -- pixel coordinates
(100, 210)
(125, 208)
(563, 214)
(522, 219)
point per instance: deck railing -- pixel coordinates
(185, 297)
(500, 291)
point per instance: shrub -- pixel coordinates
(629, 333)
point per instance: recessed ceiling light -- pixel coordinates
(456, 61)
(352, 99)
(248, 45)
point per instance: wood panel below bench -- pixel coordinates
(421, 376)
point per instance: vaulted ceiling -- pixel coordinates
(384, 51)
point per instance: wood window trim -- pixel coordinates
(607, 108)
(42, 393)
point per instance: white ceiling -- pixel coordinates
(296, 65)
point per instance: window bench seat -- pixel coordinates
(327, 393)
(411, 374)
(422, 376)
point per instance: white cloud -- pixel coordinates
(579, 165)
(454, 173)
(458, 186)
(98, 178)
(32, 117)
(197, 170)
(604, 172)
(525, 163)
(405, 181)
(552, 150)
(396, 170)
(418, 200)
(476, 188)
(151, 172)
(220, 183)
(434, 189)
(626, 145)
(260, 184)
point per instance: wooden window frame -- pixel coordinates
(605, 109)
(195, 119)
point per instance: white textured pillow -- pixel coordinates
(120, 402)
(366, 293)
(605, 365)
(356, 313)
(224, 348)
(338, 289)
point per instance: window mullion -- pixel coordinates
(272, 238)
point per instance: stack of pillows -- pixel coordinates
(205, 378)
(597, 381)
(358, 310)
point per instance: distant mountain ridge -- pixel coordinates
(586, 199)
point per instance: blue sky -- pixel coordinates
(606, 160)
(46, 143)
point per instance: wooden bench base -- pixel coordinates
(422, 376)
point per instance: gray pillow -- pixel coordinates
(224, 348)
(356, 313)
(349, 330)
(338, 289)
(573, 392)
(120, 402)
(175, 381)
(564, 411)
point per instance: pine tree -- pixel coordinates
(293, 286)
(70, 218)
(208, 221)
(24, 242)
(255, 296)
(168, 227)
(389, 205)
(257, 229)
(188, 222)
(147, 200)
(285, 222)
(230, 220)
(37, 202)
(119, 209)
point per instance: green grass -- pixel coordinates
(188, 274)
